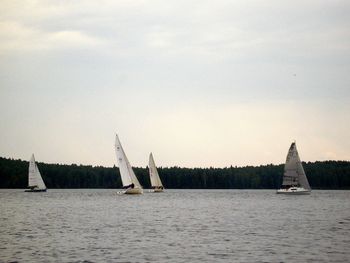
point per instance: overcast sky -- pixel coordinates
(198, 83)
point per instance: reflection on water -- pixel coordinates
(175, 226)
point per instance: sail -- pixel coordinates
(294, 173)
(126, 172)
(302, 176)
(153, 173)
(34, 176)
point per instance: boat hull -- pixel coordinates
(156, 190)
(133, 191)
(293, 191)
(35, 190)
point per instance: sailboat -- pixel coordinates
(156, 183)
(130, 183)
(35, 181)
(294, 177)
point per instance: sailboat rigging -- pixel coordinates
(156, 183)
(294, 177)
(35, 181)
(129, 180)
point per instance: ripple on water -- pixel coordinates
(175, 226)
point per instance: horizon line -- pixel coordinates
(182, 167)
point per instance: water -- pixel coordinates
(175, 226)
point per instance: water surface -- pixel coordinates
(175, 226)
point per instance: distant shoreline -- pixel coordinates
(322, 175)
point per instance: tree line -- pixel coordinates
(321, 175)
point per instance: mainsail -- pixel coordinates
(153, 173)
(34, 177)
(126, 172)
(294, 174)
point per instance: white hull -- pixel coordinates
(294, 191)
(156, 190)
(133, 191)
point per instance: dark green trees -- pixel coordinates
(322, 175)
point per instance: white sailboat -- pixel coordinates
(35, 181)
(156, 183)
(294, 177)
(129, 180)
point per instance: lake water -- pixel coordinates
(93, 225)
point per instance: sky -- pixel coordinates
(198, 83)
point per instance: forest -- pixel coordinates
(321, 175)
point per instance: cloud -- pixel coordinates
(15, 37)
(69, 39)
(223, 30)
(204, 75)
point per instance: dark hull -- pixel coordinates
(35, 190)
